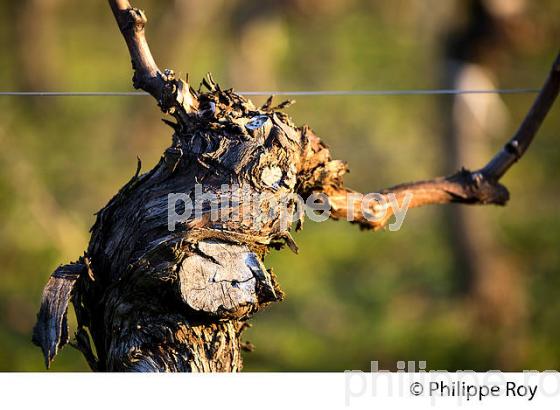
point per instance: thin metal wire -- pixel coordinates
(285, 93)
(70, 94)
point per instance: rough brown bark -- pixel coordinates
(151, 299)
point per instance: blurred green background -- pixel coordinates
(352, 297)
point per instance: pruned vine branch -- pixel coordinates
(516, 147)
(479, 187)
(173, 95)
(131, 22)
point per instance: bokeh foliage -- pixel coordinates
(352, 296)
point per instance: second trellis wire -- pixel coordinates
(285, 93)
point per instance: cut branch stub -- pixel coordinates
(225, 280)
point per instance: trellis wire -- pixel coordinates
(282, 93)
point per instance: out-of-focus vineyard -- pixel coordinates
(461, 290)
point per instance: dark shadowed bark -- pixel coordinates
(151, 298)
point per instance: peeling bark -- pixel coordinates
(151, 299)
(51, 330)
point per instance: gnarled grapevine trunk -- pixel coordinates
(151, 295)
